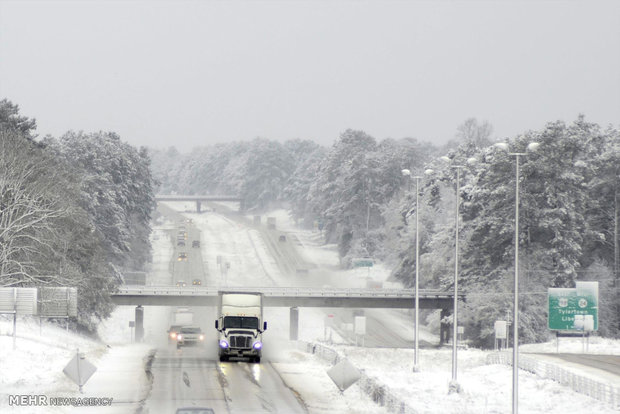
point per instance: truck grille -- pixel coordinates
(240, 342)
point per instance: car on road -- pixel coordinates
(181, 283)
(282, 238)
(181, 243)
(173, 331)
(182, 257)
(196, 282)
(196, 243)
(190, 335)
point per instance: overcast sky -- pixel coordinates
(189, 73)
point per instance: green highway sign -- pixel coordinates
(566, 303)
(364, 262)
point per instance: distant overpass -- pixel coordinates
(199, 199)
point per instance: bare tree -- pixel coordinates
(472, 132)
(29, 204)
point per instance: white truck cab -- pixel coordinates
(240, 325)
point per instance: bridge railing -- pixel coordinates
(284, 291)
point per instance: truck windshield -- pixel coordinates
(240, 322)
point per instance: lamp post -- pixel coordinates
(454, 384)
(407, 173)
(515, 323)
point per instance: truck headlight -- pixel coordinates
(257, 345)
(223, 344)
(201, 337)
(179, 337)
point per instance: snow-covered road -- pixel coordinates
(245, 258)
(193, 376)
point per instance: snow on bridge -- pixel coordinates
(288, 297)
(199, 199)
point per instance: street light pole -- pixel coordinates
(515, 316)
(416, 354)
(454, 386)
(416, 367)
(515, 323)
(456, 277)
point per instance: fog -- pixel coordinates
(188, 73)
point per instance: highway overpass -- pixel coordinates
(291, 297)
(199, 199)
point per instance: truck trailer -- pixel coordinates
(240, 325)
(180, 317)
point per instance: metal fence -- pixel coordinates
(595, 389)
(377, 391)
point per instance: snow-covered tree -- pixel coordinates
(117, 191)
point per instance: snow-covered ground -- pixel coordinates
(35, 366)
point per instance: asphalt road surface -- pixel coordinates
(608, 363)
(189, 378)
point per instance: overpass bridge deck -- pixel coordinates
(287, 297)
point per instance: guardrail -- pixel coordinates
(595, 389)
(286, 291)
(377, 391)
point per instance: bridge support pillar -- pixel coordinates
(444, 328)
(139, 318)
(294, 324)
(197, 206)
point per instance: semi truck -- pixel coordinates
(180, 317)
(183, 316)
(240, 325)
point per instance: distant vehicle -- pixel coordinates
(240, 325)
(182, 317)
(271, 223)
(181, 243)
(195, 410)
(181, 283)
(196, 282)
(196, 243)
(190, 335)
(282, 238)
(182, 257)
(173, 332)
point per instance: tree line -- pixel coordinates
(356, 192)
(74, 211)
